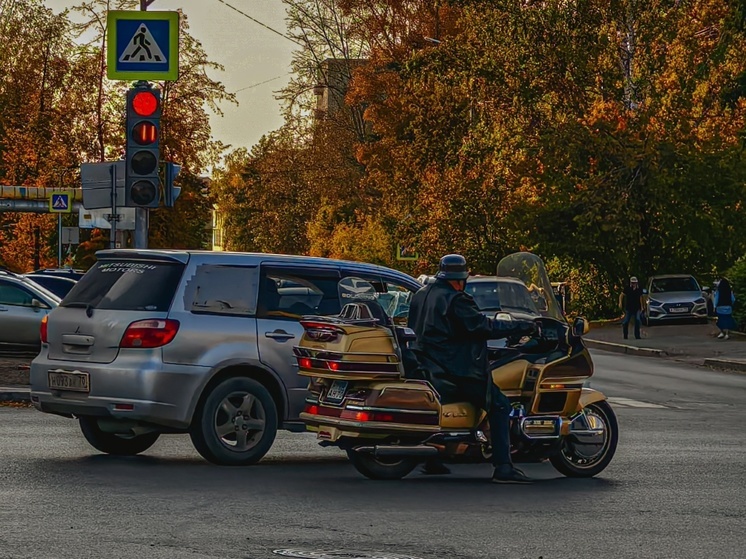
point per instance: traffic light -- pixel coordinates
(171, 192)
(142, 186)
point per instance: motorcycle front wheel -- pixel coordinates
(381, 468)
(575, 460)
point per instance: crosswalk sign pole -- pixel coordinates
(140, 236)
(59, 240)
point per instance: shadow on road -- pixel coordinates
(312, 478)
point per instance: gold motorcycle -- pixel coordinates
(361, 399)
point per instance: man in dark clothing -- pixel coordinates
(451, 346)
(630, 301)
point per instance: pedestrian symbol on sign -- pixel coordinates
(142, 48)
(59, 202)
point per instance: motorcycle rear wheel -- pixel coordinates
(571, 464)
(378, 468)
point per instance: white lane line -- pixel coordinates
(627, 403)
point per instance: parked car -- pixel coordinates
(69, 273)
(56, 284)
(23, 306)
(673, 297)
(709, 294)
(152, 342)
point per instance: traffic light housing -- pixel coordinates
(142, 156)
(171, 192)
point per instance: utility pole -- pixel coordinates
(37, 248)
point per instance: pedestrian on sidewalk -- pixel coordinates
(723, 302)
(630, 301)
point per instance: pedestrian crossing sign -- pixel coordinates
(142, 45)
(60, 202)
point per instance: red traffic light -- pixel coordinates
(145, 133)
(144, 103)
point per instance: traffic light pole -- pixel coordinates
(114, 216)
(141, 214)
(141, 228)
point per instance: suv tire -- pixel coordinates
(111, 443)
(236, 424)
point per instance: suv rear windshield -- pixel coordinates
(127, 285)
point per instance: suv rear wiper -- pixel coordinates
(87, 306)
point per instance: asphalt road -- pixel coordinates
(675, 490)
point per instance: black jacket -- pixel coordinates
(452, 334)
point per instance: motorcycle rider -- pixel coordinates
(451, 347)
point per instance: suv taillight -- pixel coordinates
(150, 333)
(43, 329)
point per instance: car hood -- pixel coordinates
(676, 296)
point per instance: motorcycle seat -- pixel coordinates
(459, 415)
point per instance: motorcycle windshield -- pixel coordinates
(530, 269)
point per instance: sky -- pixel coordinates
(250, 53)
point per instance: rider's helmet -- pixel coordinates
(452, 267)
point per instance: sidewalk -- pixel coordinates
(14, 379)
(691, 343)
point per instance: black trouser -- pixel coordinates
(497, 406)
(629, 315)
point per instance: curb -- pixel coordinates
(731, 365)
(15, 394)
(628, 349)
(727, 364)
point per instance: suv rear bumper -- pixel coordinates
(158, 394)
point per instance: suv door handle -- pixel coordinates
(279, 335)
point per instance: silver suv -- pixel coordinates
(152, 342)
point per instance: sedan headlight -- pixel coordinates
(700, 301)
(656, 303)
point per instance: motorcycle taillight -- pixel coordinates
(321, 331)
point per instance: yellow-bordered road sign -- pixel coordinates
(142, 45)
(61, 202)
(406, 253)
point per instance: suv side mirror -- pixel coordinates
(706, 289)
(580, 326)
(37, 305)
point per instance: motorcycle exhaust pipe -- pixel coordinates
(394, 450)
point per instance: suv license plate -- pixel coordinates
(337, 391)
(680, 309)
(74, 382)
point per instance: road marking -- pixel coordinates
(627, 403)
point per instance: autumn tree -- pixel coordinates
(39, 141)
(57, 110)
(605, 136)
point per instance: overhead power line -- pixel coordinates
(261, 83)
(260, 23)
